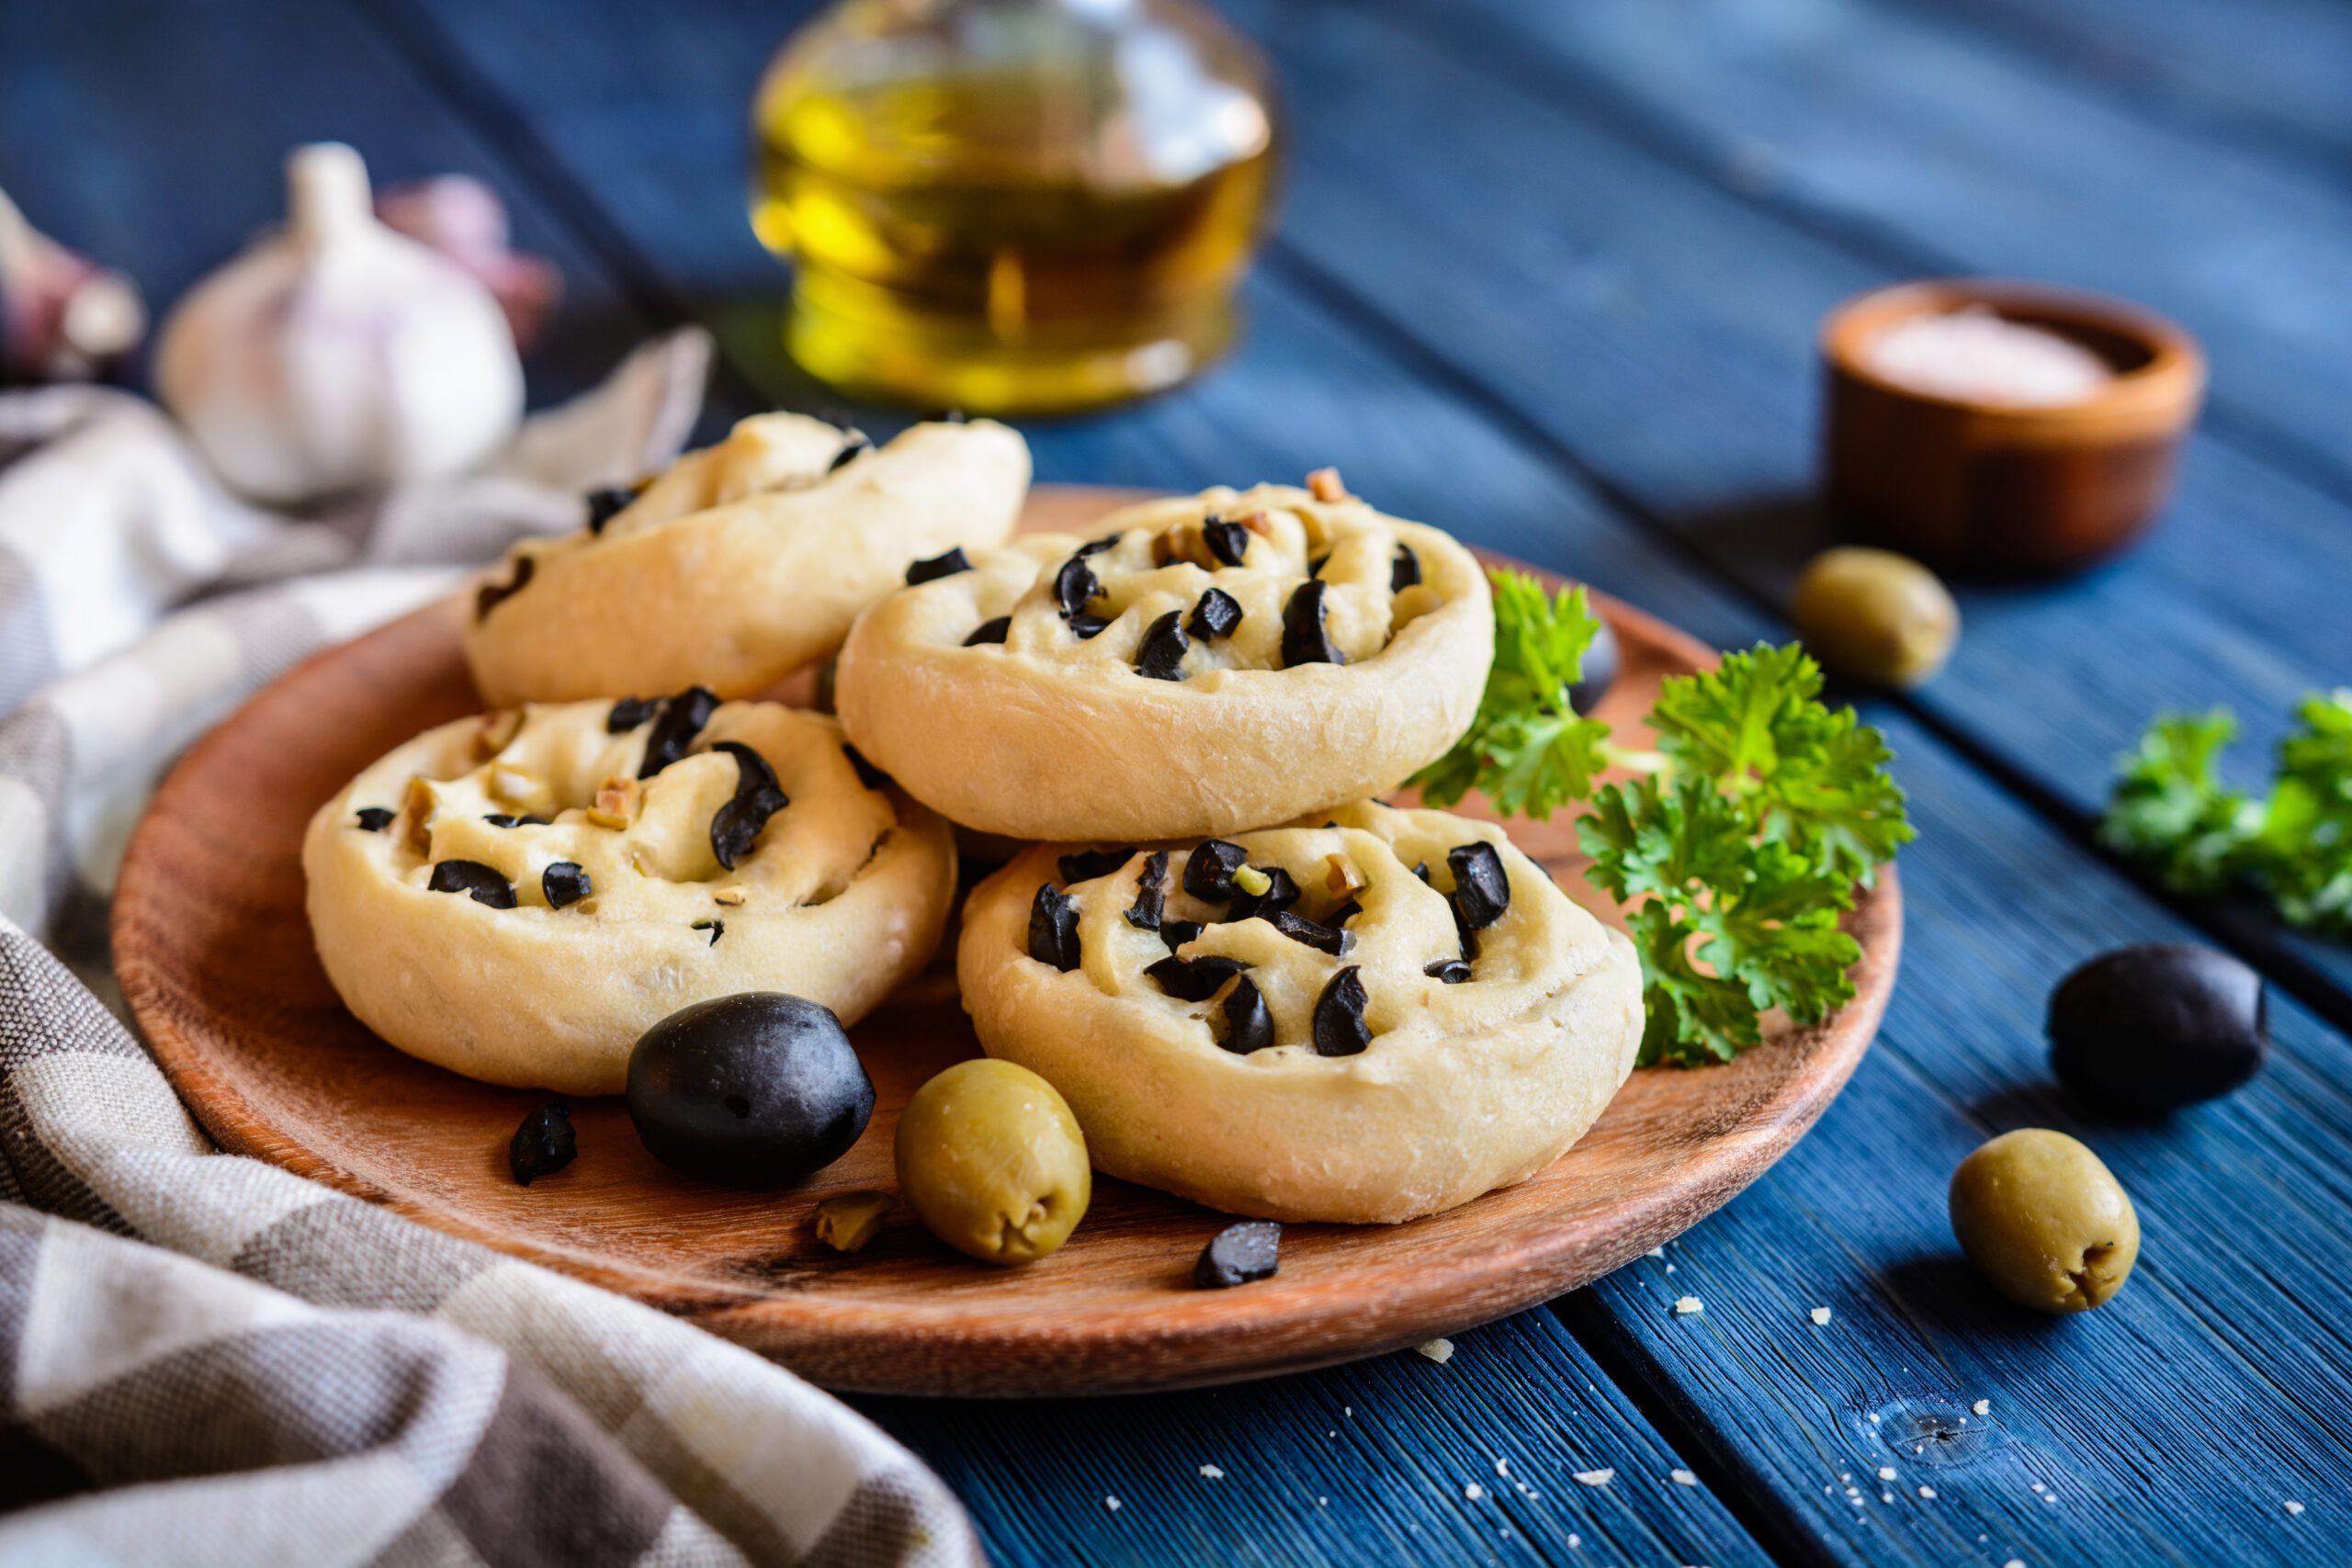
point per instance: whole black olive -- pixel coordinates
(2156, 1026)
(753, 1090)
(1597, 674)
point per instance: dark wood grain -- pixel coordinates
(263, 1052)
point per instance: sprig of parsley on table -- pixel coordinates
(2171, 811)
(1737, 845)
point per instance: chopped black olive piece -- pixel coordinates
(1404, 570)
(628, 713)
(758, 796)
(1151, 893)
(682, 719)
(1161, 655)
(1452, 971)
(1088, 864)
(375, 819)
(1096, 547)
(1596, 671)
(1247, 1026)
(1305, 639)
(1325, 939)
(987, 632)
(868, 774)
(857, 443)
(1176, 933)
(1344, 914)
(1315, 568)
(1208, 873)
(1215, 616)
(1195, 980)
(1339, 1027)
(500, 819)
(605, 505)
(493, 594)
(1481, 888)
(1088, 628)
(484, 883)
(1421, 870)
(1230, 541)
(1053, 927)
(1281, 893)
(1465, 930)
(1075, 585)
(715, 928)
(543, 1144)
(938, 567)
(564, 883)
(1250, 1249)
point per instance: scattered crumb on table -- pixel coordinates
(1685, 1305)
(1820, 1316)
(1597, 1477)
(1685, 1478)
(1437, 1351)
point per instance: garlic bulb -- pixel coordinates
(336, 354)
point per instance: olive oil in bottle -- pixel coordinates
(1012, 205)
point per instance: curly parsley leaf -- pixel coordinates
(1528, 749)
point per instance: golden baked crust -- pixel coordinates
(835, 897)
(1050, 733)
(1462, 1087)
(744, 562)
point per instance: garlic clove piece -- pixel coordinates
(339, 355)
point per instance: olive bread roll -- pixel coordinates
(744, 562)
(1210, 664)
(1365, 1022)
(519, 896)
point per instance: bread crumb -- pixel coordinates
(1685, 1305)
(1324, 485)
(1111, 1504)
(1886, 1473)
(1656, 1252)
(1685, 1478)
(2014, 1562)
(2293, 1506)
(1437, 1351)
(1212, 1472)
(1502, 1468)
(1928, 1493)
(1473, 1492)
(1820, 1316)
(1982, 1407)
(1597, 1477)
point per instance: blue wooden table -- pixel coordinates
(1549, 275)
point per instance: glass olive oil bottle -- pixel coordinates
(1012, 205)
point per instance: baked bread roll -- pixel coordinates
(1365, 1022)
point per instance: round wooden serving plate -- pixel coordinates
(215, 957)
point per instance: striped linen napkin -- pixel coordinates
(208, 1361)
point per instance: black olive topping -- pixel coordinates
(1088, 628)
(1053, 927)
(1339, 1027)
(857, 443)
(1481, 888)
(987, 632)
(1151, 893)
(375, 819)
(1161, 655)
(501, 819)
(757, 797)
(1075, 585)
(1305, 639)
(1208, 873)
(1239, 1253)
(565, 881)
(938, 567)
(1466, 930)
(1215, 616)
(543, 1144)
(1176, 933)
(1281, 893)
(1325, 939)
(1421, 870)
(1404, 570)
(1344, 914)
(606, 503)
(1088, 864)
(715, 927)
(493, 594)
(1247, 1026)
(1230, 541)
(483, 881)
(1096, 547)
(1315, 568)
(1452, 971)
(628, 713)
(1196, 979)
(868, 774)
(682, 719)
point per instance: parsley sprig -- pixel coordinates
(2172, 810)
(1738, 843)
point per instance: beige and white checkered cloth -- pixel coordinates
(206, 1361)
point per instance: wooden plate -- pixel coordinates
(215, 957)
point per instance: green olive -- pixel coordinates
(1875, 615)
(993, 1162)
(2045, 1221)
